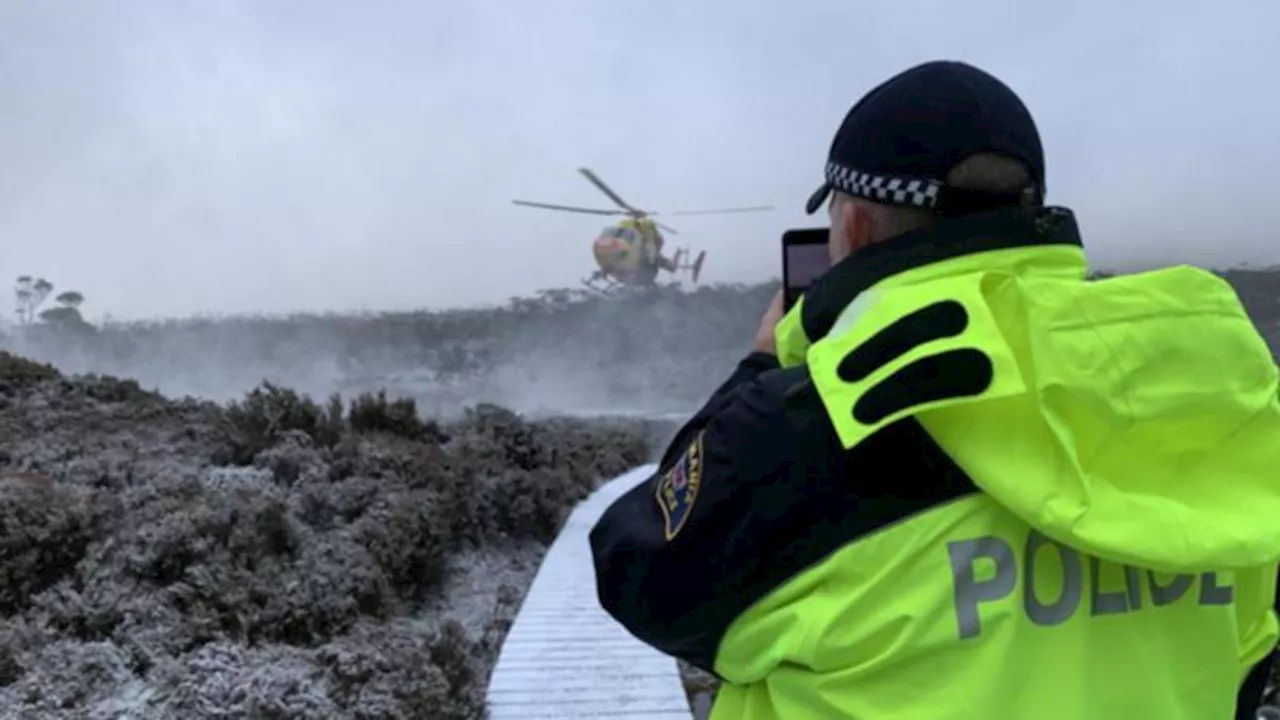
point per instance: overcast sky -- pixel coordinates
(170, 157)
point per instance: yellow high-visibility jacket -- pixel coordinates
(978, 486)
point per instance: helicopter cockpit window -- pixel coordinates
(622, 233)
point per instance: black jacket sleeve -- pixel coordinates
(671, 593)
(1251, 691)
(747, 370)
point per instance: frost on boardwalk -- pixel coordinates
(274, 559)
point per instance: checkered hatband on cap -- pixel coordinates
(884, 188)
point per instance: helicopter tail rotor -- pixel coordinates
(681, 260)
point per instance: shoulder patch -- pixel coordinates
(678, 488)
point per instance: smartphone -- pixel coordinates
(804, 259)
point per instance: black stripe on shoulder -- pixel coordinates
(964, 372)
(956, 373)
(943, 319)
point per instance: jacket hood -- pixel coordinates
(1135, 418)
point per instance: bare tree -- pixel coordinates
(31, 293)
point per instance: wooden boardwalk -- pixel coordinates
(564, 657)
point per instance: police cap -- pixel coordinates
(897, 144)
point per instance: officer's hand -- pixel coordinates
(764, 336)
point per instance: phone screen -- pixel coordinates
(804, 259)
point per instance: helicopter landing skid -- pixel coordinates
(601, 284)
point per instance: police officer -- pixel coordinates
(957, 479)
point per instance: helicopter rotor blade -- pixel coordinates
(666, 228)
(567, 208)
(590, 176)
(756, 208)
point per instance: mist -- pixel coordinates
(317, 195)
(173, 157)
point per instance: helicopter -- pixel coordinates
(629, 253)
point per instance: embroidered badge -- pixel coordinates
(678, 488)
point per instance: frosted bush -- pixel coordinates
(167, 559)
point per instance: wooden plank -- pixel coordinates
(564, 657)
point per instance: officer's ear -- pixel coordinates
(853, 226)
